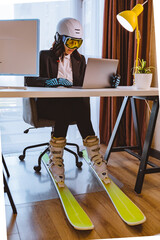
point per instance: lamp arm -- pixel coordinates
(137, 52)
(138, 40)
(144, 3)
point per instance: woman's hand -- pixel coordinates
(57, 82)
(114, 80)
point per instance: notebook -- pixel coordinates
(98, 71)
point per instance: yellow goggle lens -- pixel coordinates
(73, 43)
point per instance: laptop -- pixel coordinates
(98, 71)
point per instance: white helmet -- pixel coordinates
(70, 27)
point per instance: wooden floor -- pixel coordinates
(45, 219)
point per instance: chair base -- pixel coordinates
(37, 168)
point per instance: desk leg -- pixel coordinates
(147, 145)
(111, 141)
(7, 190)
(135, 121)
(5, 166)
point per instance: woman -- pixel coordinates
(63, 63)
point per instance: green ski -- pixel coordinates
(126, 209)
(74, 213)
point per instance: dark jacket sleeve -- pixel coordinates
(48, 69)
(48, 64)
(35, 81)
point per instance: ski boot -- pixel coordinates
(97, 161)
(56, 165)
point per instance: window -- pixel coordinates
(90, 13)
(49, 12)
(92, 19)
(93, 27)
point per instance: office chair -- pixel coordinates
(30, 116)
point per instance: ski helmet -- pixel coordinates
(70, 27)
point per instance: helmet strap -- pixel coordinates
(57, 37)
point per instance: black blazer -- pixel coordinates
(48, 69)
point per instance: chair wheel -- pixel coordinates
(21, 157)
(37, 168)
(79, 164)
(80, 154)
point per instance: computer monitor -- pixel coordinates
(19, 47)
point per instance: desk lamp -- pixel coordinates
(129, 20)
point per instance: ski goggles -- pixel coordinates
(72, 42)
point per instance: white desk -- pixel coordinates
(70, 92)
(32, 92)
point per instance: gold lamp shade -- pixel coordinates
(128, 19)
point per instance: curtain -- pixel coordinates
(120, 44)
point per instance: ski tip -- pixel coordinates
(84, 228)
(137, 222)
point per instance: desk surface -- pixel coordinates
(72, 92)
